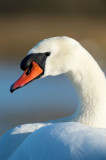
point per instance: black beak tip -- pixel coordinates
(12, 89)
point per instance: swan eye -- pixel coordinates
(47, 54)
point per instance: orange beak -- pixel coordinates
(26, 77)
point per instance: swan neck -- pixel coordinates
(90, 84)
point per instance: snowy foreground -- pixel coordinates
(59, 141)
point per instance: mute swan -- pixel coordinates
(78, 137)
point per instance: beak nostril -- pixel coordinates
(29, 69)
(28, 72)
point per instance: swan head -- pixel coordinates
(52, 56)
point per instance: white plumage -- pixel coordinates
(78, 137)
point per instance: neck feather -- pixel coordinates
(90, 84)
